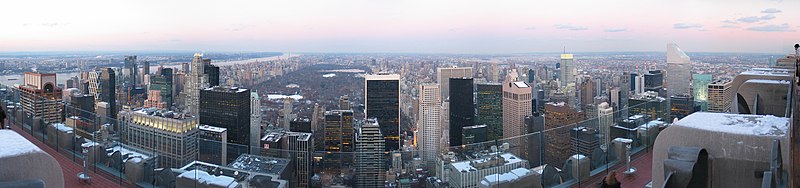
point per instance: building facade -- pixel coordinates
(462, 108)
(228, 107)
(429, 125)
(489, 102)
(172, 136)
(382, 101)
(370, 158)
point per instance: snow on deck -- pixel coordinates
(15, 145)
(763, 125)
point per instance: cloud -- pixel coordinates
(771, 11)
(238, 27)
(614, 30)
(772, 28)
(754, 19)
(729, 26)
(686, 25)
(570, 27)
(530, 28)
(729, 22)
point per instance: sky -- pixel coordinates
(400, 26)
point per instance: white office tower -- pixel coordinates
(370, 165)
(567, 74)
(429, 123)
(638, 84)
(255, 121)
(443, 76)
(678, 71)
(194, 83)
(605, 117)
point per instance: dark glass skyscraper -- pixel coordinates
(654, 81)
(108, 92)
(490, 109)
(383, 102)
(212, 73)
(163, 83)
(228, 107)
(130, 70)
(462, 108)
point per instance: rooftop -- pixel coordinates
(260, 164)
(762, 125)
(508, 158)
(212, 128)
(205, 178)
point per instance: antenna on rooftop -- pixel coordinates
(565, 50)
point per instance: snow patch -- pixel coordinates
(15, 145)
(762, 125)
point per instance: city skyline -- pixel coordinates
(400, 27)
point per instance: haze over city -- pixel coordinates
(399, 26)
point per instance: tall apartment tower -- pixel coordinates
(370, 158)
(443, 76)
(41, 97)
(195, 82)
(559, 119)
(382, 101)
(567, 65)
(678, 71)
(228, 107)
(462, 108)
(429, 123)
(107, 91)
(255, 121)
(517, 104)
(163, 83)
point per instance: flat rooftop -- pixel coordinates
(260, 164)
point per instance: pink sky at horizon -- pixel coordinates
(400, 26)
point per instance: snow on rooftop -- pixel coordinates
(521, 84)
(123, 151)
(15, 145)
(208, 179)
(279, 96)
(212, 128)
(762, 125)
(513, 175)
(466, 166)
(62, 127)
(764, 81)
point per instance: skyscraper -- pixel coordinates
(490, 109)
(195, 82)
(700, 88)
(517, 100)
(40, 97)
(163, 84)
(678, 71)
(567, 65)
(213, 143)
(107, 91)
(370, 164)
(130, 71)
(338, 139)
(720, 96)
(462, 108)
(255, 121)
(605, 116)
(654, 81)
(228, 107)
(382, 101)
(443, 76)
(559, 120)
(429, 123)
(211, 72)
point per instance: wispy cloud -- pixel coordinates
(687, 25)
(570, 27)
(754, 19)
(238, 27)
(729, 22)
(614, 30)
(771, 11)
(772, 28)
(729, 26)
(530, 28)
